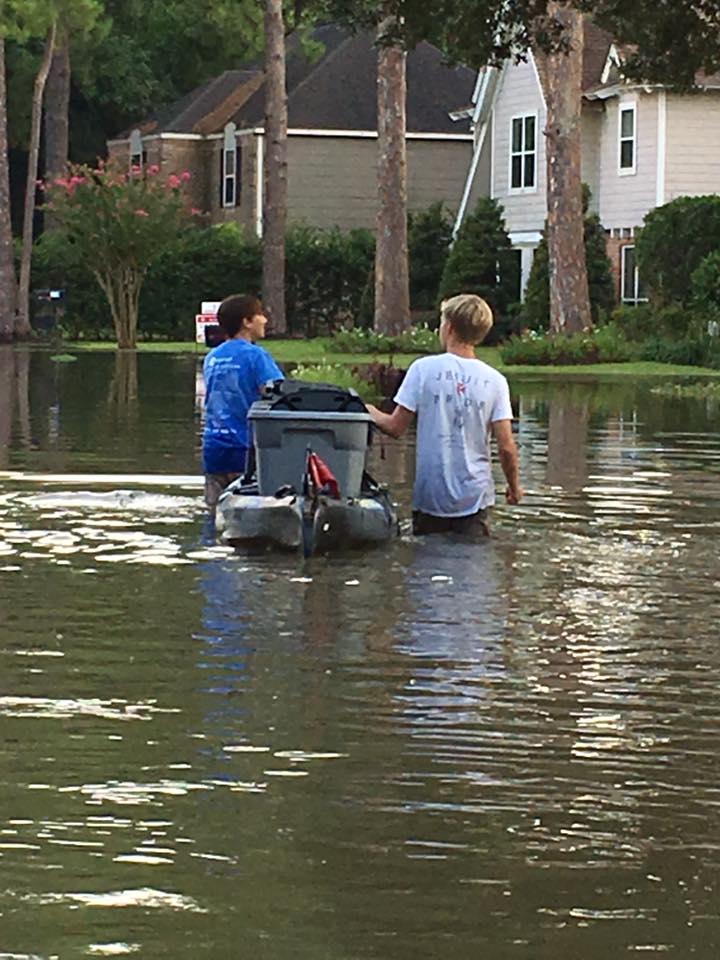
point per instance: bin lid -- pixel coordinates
(264, 410)
(302, 395)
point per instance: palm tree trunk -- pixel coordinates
(22, 321)
(275, 194)
(569, 296)
(392, 285)
(56, 115)
(8, 287)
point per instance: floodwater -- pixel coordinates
(507, 750)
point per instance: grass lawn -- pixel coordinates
(316, 351)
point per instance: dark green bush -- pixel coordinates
(705, 286)
(326, 275)
(204, 264)
(599, 272)
(482, 260)
(643, 322)
(672, 244)
(429, 237)
(695, 351)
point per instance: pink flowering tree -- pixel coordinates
(116, 224)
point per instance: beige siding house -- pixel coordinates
(642, 146)
(217, 133)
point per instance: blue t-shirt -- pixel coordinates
(234, 374)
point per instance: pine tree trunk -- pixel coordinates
(8, 288)
(569, 297)
(56, 116)
(7, 401)
(275, 193)
(392, 285)
(22, 388)
(22, 320)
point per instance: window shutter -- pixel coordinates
(221, 177)
(238, 174)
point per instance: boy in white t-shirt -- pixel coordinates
(459, 402)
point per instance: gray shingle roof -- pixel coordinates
(334, 91)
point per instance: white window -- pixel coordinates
(631, 286)
(229, 187)
(627, 138)
(523, 153)
(137, 154)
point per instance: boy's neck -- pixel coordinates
(459, 349)
(243, 335)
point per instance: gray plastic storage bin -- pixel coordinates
(283, 436)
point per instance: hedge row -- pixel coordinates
(329, 275)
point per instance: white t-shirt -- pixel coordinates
(455, 400)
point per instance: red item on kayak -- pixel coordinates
(322, 476)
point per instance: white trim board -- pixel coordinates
(298, 132)
(661, 149)
(525, 238)
(259, 185)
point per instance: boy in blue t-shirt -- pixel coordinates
(234, 372)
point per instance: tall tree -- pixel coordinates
(7, 265)
(275, 171)
(56, 121)
(392, 281)
(22, 319)
(569, 292)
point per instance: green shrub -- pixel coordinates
(705, 286)
(326, 275)
(359, 340)
(599, 274)
(694, 351)
(672, 244)
(604, 345)
(642, 322)
(482, 260)
(339, 374)
(429, 237)
(418, 339)
(203, 264)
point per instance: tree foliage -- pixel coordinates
(429, 237)
(482, 260)
(599, 271)
(672, 244)
(117, 224)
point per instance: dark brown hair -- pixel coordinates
(233, 310)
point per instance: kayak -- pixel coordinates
(315, 523)
(307, 488)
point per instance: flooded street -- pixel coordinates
(507, 750)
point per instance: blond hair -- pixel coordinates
(469, 316)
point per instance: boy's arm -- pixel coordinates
(508, 453)
(394, 424)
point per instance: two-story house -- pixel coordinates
(217, 133)
(642, 146)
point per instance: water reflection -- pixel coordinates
(567, 450)
(14, 400)
(123, 391)
(506, 748)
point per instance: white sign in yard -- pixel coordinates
(206, 318)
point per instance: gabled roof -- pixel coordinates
(336, 90)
